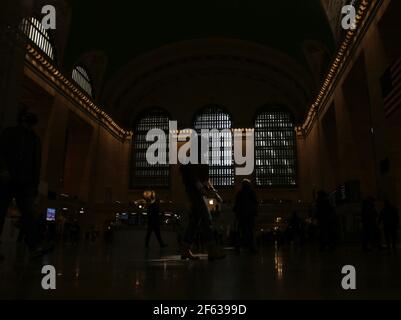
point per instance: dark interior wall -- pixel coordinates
(390, 29)
(394, 127)
(78, 139)
(329, 141)
(356, 94)
(37, 100)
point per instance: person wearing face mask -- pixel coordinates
(20, 161)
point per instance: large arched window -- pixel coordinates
(220, 144)
(143, 174)
(81, 77)
(34, 30)
(275, 149)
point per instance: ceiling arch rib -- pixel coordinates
(274, 91)
(213, 56)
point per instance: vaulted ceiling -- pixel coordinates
(124, 30)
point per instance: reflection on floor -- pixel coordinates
(125, 270)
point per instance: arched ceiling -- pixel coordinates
(197, 66)
(127, 31)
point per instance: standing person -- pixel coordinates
(75, 231)
(390, 219)
(296, 228)
(198, 188)
(154, 221)
(370, 229)
(326, 221)
(246, 209)
(20, 161)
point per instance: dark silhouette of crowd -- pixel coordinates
(153, 207)
(326, 221)
(296, 229)
(246, 210)
(20, 162)
(372, 220)
(370, 227)
(390, 219)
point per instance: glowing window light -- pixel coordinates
(34, 30)
(143, 174)
(221, 162)
(275, 149)
(81, 77)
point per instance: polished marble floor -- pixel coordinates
(125, 270)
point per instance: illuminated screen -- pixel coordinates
(51, 214)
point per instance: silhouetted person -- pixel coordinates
(75, 232)
(20, 161)
(198, 188)
(21, 235)
(154, 221)
(326, 220)
(310, 226)
(390, 219)
(370, 229)
(296, 228)
(108, 234)
(246, 209)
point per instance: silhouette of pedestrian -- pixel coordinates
(326, 221)
(370, 229)
(296, 228)
(390, 219)
(154, 221)
(75, 232)
(246, 209)
(20, 161)
(198, 188)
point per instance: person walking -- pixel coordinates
(199, 188)
(390, 220)
(154, 221)
(326, 220)
(246, 209)
(370, 228)
(20, 162)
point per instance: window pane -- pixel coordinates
(275, 149)
(143, 174)
(81, 77)
(34, 30)
(221, 164)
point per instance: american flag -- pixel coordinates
(391, 87)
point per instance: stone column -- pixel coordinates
(58, 122)
(376, 65)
